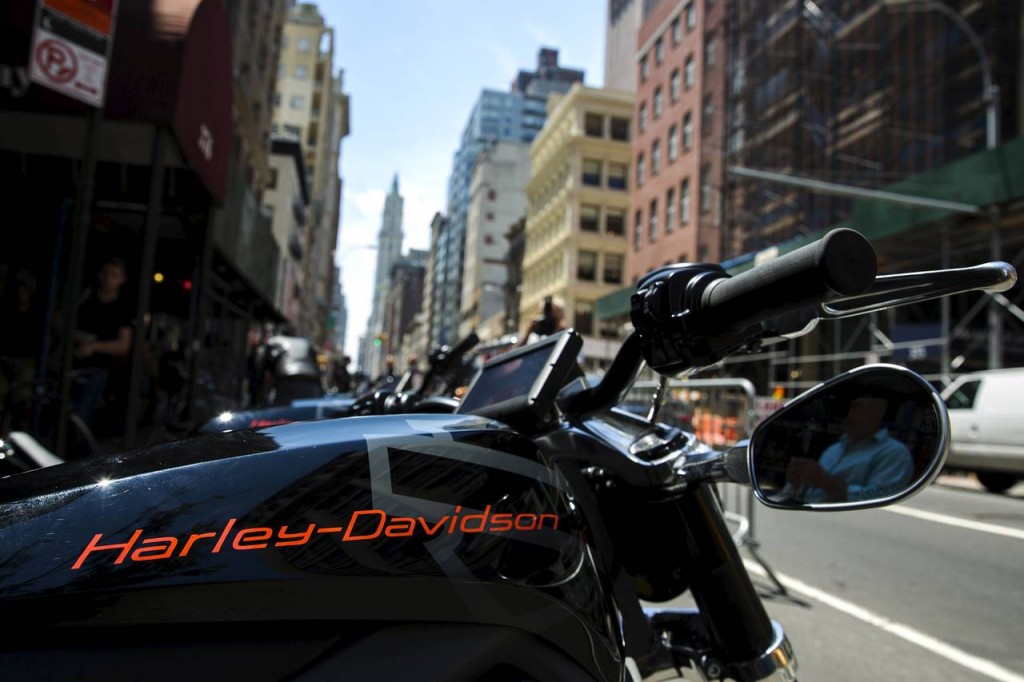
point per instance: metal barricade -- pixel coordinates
(721, 413)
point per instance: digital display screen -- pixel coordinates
(505, 379)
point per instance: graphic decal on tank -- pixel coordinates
(363, 525)
(437, 525)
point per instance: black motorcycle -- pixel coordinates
(516, 537)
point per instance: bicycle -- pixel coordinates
(32, 408)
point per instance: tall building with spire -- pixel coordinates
(389, 250)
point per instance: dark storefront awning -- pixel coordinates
(170, 66)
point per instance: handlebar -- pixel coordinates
(693, 315)
(841, 264)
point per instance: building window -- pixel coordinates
(684, 202)
(687, 132)
(620, 129)
(705, 188)
(591, 173)
(304, 45)
(652, 221)
(659, 102)
(640, 169)
(301, 73)
(613, 268)
(272, 182)
(670, 210)
(297, 102)
(584, 318)
(709, 52)
(673, 143)
(659, 51)
(617, 175)
(690, 72)
(655, 157)
(674, 85)
(709, 115)
(691, 16)
(294, 132)
(645, 69)
(586, 266)
(677, 31)
(590, 217)
(615, 222)
(642, 117)
(638, 228)
(593, 125)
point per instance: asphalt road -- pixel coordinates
(931, 589)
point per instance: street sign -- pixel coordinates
(71, 42)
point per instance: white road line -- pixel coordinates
(938, 647)
(961, 523)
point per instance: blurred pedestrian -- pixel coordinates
(103, 340)
(551, 320)
(292, 366)
(341, 376)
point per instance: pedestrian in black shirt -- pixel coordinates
(103, 338)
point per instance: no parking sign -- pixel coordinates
(71, 42)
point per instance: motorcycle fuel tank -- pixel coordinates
(335, 525)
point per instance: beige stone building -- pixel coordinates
(256, 29)
(310, 106)
(575, 243)
(286, 199)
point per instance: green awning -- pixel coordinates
(614, 304)
(992, 176)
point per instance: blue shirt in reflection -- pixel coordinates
(873, 467)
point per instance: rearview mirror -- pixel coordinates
(867, 438)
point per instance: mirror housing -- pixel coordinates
(867, 438)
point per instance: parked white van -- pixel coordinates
(986, 416)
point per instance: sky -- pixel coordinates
(413, 70)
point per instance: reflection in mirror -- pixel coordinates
(868, 437)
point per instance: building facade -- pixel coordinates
(677, 148)
(389, 250)
(310, 106)
(575, 232)
(910, 99)
(517, 115)
(256, 30)
(497, 200)
(621, 29)
(402, 307)
(287, 199)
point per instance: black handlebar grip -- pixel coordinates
(842, 263)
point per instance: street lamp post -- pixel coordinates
(990, 95)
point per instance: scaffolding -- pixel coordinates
(855, 94)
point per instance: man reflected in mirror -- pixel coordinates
(865, 463)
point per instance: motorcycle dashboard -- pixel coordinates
(523, 382)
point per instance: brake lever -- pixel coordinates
(914, 287)
(889, 291)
